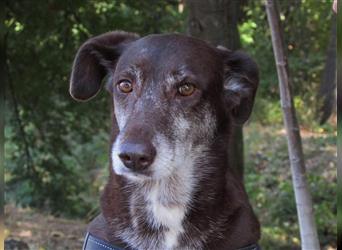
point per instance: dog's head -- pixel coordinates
(173, 96)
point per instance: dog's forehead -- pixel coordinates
(170, 53)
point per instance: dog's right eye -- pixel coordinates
(125, 86)
(186, 89)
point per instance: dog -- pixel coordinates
(175, 100)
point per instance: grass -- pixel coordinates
(268, 182)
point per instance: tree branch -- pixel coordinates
(29, 160)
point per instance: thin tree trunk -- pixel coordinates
(328, 83)
(308, 232)
(216, 22)
(339, 122)
(2, 124)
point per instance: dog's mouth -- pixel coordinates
(136, 176)
(145, 173)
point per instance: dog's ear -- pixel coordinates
(93, 60)
(241, 79)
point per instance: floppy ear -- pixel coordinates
(241, 79)
(93, 60)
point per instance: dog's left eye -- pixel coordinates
(125, 86)
(186, 89)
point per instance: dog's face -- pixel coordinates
(173, 97)
(165, 91)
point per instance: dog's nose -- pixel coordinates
(137, 156)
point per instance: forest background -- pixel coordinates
(56, 153)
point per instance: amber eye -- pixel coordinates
(125, 86)
(186, 89)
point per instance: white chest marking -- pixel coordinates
(170, 217)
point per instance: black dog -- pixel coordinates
(175, 99)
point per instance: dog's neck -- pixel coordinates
(199, 211)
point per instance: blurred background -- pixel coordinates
(56, 150)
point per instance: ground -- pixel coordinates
(42, 231)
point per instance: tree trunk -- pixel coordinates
(328, 83)
(308, 232)
(339, 124)
(216, 22)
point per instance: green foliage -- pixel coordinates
(269, 185)
(306, 27)
(53, 144)
(56, 150)
(306, 33)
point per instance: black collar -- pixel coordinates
(93, 243)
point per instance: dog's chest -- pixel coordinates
(157, 216)
(169, 216)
